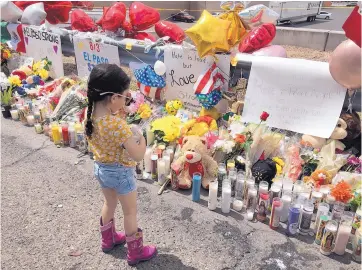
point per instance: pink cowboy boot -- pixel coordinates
(136, 251)
(110, 237)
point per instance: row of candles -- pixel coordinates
(63, 133)
(304, 211)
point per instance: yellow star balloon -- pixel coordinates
(210, 34)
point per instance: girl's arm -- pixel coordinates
(135, 149)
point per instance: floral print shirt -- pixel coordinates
(110, 132)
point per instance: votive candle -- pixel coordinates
(14, 115)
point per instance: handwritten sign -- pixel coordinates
(300, 95)
(40, 44)
(89, 54)
(183, 68)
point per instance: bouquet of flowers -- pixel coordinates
(166, 129)
(138, 110)
(42, 68)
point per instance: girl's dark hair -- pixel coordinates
(104, 78)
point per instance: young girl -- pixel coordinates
(116, 152)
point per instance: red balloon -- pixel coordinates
(57, 11)
(83, 4)
(114, 17)
(144, 35)
(142, 17)
(100, 20)
(127, 27)
(170, 29)
(82, 22)
(258, 38)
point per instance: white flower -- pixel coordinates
(236, 128)
(228, 146)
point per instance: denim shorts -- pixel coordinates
(116, 176)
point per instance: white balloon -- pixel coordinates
(34, 14)
(10, 12)
(160, 68)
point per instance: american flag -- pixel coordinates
(208, 81)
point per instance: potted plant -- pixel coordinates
(6, 98)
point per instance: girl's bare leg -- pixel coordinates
(129, 206)
(110, 204)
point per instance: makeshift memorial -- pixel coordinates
(208, 40)
(195, 158)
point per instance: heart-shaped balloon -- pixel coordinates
(170, 29)
(57, 11)
(144, 35)
(114, 17)
(34, 14)
(100, 20)
(258, 38)
(81, 21)
(142, 17)
(127, 27)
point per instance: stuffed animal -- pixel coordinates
(195, 158)
(353, 138)
(199, 126)
(339, 133)
(173, 106)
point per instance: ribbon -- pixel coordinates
(149, 45)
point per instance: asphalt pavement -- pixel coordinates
(50, 217)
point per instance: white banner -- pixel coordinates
(89, 54)
(183, 68)
(40, 44)
(300, 95)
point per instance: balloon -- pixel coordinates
(142, 17)
(209, 34)
(345, 65)
(34, 14)
(57, 11)
(100, 20)
(258, 14)
(81, 21)
(237, 30)
(127, 27)
(258, 38)
(352, 26)
(144, 35)
(83, 4)
(10, 12)
(272, 50)
(160, 68)
(114, 17)
(170, 29)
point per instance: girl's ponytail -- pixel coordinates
(89, 124)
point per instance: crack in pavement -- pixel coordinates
(27, 155)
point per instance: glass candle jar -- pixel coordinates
(344, 231)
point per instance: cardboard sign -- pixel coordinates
(40, 44)
(300, 95)
(89, 54)
(183, 68)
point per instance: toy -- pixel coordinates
(213, 112)
(199, 126)
(195, 158)
(339, 133)
(353, 138)
(173, 106)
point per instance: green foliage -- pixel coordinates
(6, 97)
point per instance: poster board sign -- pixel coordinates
(300, 95)
(40, 44)
(89, 54)
(183, 69)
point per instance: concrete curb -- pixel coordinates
(322, 40)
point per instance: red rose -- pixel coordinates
(264, 116)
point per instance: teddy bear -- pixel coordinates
(195, 158)
(339, 133)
